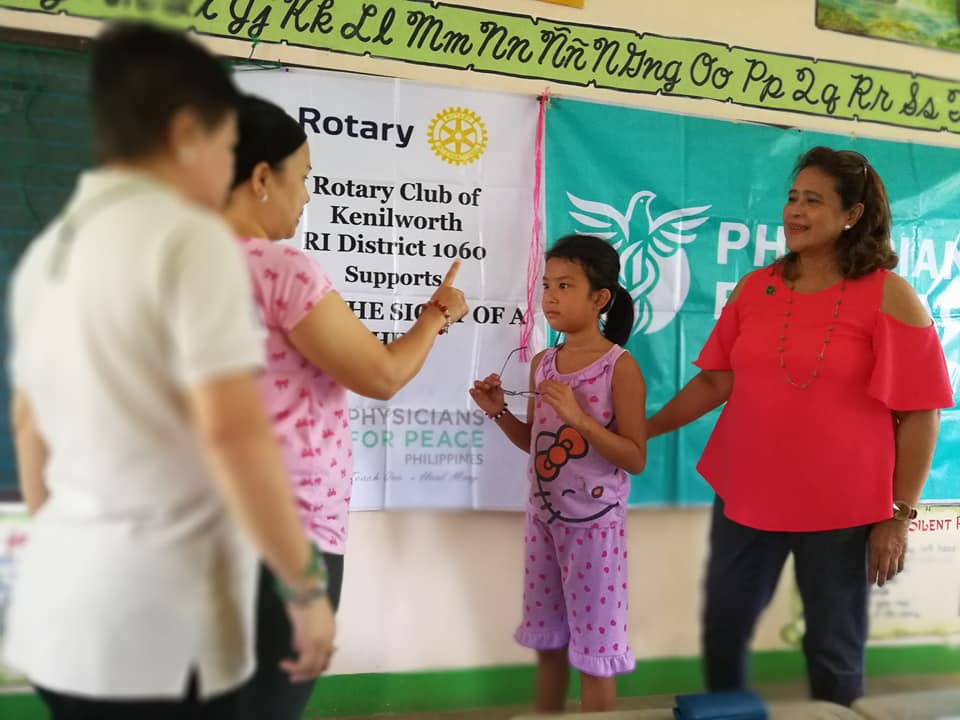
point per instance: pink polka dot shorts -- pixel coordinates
(575, 595)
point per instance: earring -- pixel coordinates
(264, 198)
(846, 227)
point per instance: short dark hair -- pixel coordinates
(266, 134)
(601, 265)
(140, 77)
(866, 246)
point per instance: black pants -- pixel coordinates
(270, 695)
(70, 707)
(831, 571)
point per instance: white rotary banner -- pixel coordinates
(406, 178)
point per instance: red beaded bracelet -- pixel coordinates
(446, 315)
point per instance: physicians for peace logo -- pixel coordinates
(653, 263)
(457, 135)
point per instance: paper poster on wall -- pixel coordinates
(931, 23)
(923, 602)
(406, 178)
(692, 205)
(13, 538)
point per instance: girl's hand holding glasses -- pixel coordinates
(488, 394)
(561, 398)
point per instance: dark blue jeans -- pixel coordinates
(270, 695)
(742, 573)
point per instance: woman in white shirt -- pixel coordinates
(143, 448)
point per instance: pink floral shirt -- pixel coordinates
(309, 408)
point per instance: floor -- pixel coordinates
(904, 683)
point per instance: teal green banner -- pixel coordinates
(693, 205)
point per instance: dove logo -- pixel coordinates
(653, 263)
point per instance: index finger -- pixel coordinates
(451, 274)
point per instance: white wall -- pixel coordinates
(429, 590)
(442, 590)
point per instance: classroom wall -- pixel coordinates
(428, 590)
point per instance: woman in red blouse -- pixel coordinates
(833, 376)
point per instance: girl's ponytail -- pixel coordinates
(619, 316)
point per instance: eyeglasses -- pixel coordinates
(515, 393)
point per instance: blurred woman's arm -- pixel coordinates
(31, 452)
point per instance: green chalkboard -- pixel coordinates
(44, 144)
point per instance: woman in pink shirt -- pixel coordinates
(317, 350)
(833, 376)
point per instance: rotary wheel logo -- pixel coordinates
(457, 135)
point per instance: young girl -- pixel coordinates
(585, 431)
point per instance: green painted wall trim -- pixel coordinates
(22, 707)
(440, 690)
(513, 685)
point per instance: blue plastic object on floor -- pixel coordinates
(734, 705)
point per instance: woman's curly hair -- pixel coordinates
(866, 246)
